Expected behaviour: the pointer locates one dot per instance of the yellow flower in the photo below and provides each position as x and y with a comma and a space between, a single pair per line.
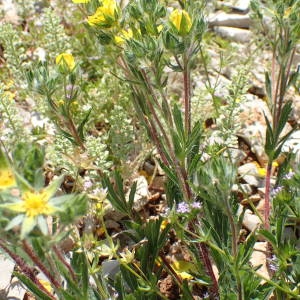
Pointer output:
105, 15
32, 206
182, 268
127, 256
160, 28
262, 172
181, 20
35, 203
125, 35
7, 179
66, 60
80, 1
46, 284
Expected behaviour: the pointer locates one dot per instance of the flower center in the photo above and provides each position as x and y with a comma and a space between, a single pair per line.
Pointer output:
36, 203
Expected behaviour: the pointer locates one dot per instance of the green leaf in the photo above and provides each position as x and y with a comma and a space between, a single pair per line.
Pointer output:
269, 236
14, 222
177, 116
31, 286
27, 225
131, 195
81, 125
268, 86
284, 116
270, 139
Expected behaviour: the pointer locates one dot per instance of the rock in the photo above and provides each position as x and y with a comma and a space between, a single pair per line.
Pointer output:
252, 199
244, 188
249, 172
141, 194
241, 6
258, 258
10, 288
251, 221
234, 34
110, 268
230, 20
219, 82
253, 125
7, 267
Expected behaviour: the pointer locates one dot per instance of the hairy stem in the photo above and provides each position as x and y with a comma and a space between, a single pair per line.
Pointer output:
27, 248
25, 269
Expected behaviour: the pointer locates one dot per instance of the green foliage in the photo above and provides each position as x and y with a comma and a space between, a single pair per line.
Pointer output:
93, 108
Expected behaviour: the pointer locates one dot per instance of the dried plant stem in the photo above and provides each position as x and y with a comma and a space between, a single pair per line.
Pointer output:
30, 252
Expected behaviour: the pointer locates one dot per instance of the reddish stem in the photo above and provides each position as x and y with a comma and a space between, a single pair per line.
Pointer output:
267, 196
27, 248
25, 269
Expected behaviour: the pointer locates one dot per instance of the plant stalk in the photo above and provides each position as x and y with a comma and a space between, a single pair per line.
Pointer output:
27, 248
25, 269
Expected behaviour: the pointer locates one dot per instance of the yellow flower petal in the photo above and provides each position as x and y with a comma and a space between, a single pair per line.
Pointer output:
65, 60
125, 35
46, 284
7, 179
104, 15
80, 1
33, 204
181, 21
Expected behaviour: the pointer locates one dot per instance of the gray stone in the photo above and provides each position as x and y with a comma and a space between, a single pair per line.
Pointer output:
234, 34
259, 258
251, 221
242, 6
141, 194
10, 288
229, 20
249, 172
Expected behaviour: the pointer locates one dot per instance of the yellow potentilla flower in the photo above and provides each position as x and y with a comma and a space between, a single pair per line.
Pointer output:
125, 35
7, 179
105, 15
33, 204
181, 20
65, 60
